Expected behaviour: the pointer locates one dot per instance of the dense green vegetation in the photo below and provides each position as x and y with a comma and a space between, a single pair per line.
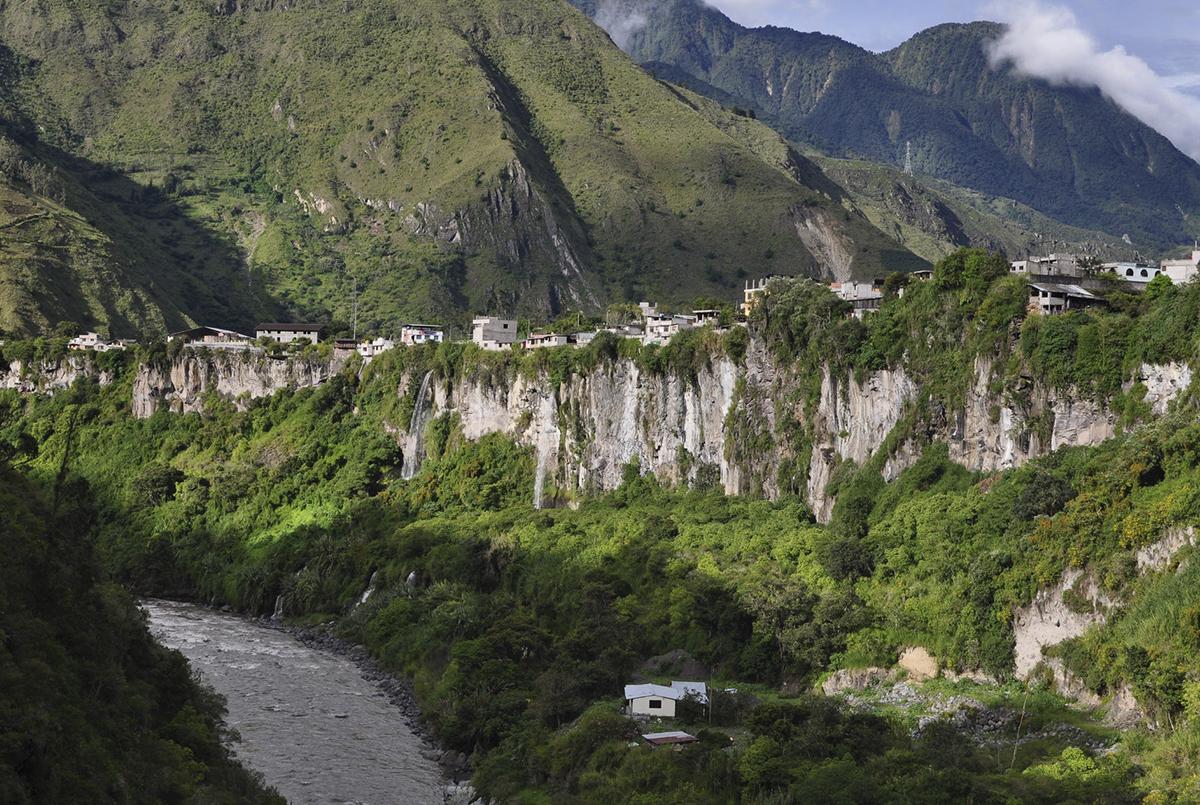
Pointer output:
520, 626
1066, 152
92, 709
427, 159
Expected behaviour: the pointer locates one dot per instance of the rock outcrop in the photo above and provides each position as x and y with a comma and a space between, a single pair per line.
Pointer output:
49, 377
182, 385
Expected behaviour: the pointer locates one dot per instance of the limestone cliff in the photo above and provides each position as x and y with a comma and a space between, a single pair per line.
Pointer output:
746, 425
183, 384
48, 377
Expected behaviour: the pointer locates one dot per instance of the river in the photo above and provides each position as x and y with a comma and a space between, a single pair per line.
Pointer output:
310, 723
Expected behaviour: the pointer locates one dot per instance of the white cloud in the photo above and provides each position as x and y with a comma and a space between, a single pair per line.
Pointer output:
621, 19
1047, 42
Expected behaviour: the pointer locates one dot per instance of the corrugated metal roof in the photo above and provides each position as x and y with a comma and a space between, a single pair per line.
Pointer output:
673, 737
676, 691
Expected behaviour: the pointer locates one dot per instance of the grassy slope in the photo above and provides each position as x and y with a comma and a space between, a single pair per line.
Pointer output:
474, 154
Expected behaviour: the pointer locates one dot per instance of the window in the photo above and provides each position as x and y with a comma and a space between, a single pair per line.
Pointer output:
1129, 272
655, 704
1144, 274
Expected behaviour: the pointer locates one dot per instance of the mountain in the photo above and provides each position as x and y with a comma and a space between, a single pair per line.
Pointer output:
426, 159
1067, 152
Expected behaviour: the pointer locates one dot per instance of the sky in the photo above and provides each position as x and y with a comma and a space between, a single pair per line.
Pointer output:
1163, 33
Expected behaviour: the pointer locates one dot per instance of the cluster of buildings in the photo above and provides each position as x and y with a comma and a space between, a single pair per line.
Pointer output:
1062, 282
98, 343
1056, 282
492, 333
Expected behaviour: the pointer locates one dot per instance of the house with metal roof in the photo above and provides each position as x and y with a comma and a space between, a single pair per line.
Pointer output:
660, 700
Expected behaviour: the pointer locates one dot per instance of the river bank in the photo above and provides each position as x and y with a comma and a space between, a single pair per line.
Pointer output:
317, 717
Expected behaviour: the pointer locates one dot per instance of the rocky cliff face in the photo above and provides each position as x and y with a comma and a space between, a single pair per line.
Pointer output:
732, 423
51, 376
183, 384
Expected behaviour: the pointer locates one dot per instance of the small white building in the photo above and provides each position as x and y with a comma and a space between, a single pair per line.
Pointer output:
1133, 272
582, 339
647, 309
660, 700
545, 340
94, 342
707, 316
378, 346
492, 333
660, 329
286, 332
412, 335
1182, 270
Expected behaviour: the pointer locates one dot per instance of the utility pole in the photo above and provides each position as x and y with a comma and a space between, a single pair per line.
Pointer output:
354, 307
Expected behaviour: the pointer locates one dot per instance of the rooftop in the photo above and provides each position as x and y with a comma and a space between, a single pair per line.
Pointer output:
289, 327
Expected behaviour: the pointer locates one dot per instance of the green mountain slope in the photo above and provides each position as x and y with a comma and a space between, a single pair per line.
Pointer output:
79, 242
431, 157
1067, 152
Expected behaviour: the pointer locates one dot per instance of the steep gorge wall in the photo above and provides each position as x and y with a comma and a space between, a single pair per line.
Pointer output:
731, 423
182, 385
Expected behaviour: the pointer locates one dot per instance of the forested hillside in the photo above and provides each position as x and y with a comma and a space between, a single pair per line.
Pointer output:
429, 159
519, 626
92, 709
1067, 152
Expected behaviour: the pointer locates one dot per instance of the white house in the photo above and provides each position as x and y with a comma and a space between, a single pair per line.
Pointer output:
94, 341
660, 700
492, 333
286, 333
1133, 272
659, 329
545, 340
414, 334
707, 316
370, 349
212, 338
1182, 270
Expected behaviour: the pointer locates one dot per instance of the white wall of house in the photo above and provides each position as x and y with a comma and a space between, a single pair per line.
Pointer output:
652, 706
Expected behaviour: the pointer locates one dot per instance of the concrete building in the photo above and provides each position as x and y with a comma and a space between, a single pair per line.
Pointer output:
212, 338
412, 335
660, 329
1052, 265
661, 700
863, 296
707, 316
288, 332
1050, 298
492, 333
545, 340
753, 292
378, 346
94, 342
1182, 270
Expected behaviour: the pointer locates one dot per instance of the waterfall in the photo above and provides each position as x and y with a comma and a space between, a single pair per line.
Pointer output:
367, 593
278, 614
416, 430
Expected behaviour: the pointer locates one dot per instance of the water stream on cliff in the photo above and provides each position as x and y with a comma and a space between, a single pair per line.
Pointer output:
416, 429
310, 723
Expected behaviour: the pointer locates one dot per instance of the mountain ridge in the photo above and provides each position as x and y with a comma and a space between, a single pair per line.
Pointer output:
1068, 152
426, 161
